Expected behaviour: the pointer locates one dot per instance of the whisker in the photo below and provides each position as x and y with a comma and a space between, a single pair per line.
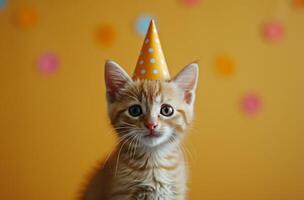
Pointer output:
131, 143
117, 160
136, 144
129, 124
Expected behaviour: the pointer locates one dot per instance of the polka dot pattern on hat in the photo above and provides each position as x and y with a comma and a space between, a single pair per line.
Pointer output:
151, 63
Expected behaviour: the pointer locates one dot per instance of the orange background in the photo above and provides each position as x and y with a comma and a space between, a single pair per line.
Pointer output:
54, 128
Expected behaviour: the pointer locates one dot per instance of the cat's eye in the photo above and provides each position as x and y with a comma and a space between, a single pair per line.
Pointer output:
166, 110
135, 110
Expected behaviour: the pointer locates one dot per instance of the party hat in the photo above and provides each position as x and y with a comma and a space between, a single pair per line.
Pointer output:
151, 64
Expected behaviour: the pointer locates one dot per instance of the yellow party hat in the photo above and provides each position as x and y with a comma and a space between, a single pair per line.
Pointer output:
151, 64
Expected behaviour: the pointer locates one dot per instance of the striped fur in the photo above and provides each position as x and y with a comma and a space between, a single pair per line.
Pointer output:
142, 167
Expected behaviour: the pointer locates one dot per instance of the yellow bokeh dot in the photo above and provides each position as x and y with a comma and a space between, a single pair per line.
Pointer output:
225, 65
26, 17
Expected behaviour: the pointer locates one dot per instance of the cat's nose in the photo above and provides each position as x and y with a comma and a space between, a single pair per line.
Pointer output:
151, 125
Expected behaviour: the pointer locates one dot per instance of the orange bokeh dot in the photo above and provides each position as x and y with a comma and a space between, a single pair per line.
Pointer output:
26, 17
105, 35
298, 3
225, 65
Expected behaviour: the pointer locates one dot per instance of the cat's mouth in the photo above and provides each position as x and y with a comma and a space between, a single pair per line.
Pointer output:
153, 134
152, 139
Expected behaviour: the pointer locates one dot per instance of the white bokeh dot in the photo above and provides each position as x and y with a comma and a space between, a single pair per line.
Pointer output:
150, 49
155, 71
141, 62
152, 60
142, 71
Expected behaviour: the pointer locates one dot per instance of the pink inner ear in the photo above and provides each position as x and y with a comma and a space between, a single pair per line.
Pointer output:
188, 97
114, 86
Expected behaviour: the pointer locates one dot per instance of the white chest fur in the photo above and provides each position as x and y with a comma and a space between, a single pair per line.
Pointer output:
164, 177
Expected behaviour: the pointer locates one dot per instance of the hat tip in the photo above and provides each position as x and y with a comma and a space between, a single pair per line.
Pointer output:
152, 26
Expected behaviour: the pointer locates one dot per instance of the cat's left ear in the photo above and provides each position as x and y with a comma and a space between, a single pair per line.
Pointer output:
187, 80
115, 78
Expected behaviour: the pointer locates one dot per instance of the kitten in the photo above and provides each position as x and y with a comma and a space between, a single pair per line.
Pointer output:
150, 118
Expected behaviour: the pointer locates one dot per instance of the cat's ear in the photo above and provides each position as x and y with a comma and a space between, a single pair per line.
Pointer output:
187, 80
115, 78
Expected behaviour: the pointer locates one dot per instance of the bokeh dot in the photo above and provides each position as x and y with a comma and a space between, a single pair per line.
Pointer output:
190, 3
142, 24
225, 65
2, 4
48, 63
298, 3
26, 17
251, 104
273, 31
105, 35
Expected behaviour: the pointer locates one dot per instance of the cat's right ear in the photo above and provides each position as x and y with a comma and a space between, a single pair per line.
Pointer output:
115, 78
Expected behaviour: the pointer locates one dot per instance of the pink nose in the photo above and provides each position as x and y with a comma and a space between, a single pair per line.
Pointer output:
151, 126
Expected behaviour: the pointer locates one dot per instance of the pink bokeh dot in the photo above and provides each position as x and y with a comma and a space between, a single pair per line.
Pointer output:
48, 63
251, 104
190, 2
273, 31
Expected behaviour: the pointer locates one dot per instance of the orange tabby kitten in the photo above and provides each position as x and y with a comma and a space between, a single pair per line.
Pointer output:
151, 119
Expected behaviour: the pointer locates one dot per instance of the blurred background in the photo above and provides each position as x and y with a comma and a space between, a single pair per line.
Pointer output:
248, 137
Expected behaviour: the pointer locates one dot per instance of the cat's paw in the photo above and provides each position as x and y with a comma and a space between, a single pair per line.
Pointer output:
145, 193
